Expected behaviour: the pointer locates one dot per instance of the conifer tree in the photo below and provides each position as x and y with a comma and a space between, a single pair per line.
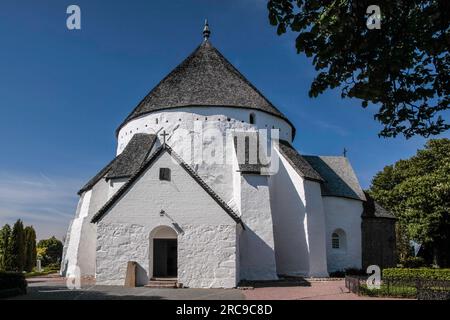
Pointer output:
18, 246
5, 248
30, 248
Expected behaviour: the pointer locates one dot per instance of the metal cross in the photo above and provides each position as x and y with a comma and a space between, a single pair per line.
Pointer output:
164, 135
345, 152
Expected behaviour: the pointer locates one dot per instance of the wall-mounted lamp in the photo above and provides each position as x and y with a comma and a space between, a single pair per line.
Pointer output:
162, 213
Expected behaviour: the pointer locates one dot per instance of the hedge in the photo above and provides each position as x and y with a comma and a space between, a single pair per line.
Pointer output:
419, 274
12, 283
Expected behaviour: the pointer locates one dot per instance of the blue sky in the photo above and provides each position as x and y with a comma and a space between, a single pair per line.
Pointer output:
63, 93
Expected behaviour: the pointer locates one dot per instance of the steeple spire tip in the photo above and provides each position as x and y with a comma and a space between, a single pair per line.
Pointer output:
206, 31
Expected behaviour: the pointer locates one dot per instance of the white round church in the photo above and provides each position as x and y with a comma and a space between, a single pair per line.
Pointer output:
206, 190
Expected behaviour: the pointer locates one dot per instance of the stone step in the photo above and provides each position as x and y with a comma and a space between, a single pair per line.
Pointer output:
162, 283
163, 279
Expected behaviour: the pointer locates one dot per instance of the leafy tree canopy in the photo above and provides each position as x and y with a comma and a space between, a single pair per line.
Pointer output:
417, 191
403, 67
50, 250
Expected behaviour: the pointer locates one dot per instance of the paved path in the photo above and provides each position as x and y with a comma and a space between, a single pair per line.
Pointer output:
312, 290
53, 287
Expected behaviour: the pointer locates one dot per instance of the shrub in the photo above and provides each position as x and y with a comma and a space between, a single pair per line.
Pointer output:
355, 272
417, 274
337, 274
389, 291
413, 262
53, 266
13, 280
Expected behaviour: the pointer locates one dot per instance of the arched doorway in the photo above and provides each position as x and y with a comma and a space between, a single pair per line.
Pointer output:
164, 252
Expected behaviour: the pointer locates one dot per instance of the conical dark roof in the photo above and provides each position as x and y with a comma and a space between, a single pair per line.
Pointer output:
205, 78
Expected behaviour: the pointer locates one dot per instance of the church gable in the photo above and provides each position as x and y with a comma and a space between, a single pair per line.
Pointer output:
167, 183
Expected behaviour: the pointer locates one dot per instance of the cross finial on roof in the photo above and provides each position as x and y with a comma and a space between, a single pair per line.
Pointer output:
345, 152
164, 135
206, 31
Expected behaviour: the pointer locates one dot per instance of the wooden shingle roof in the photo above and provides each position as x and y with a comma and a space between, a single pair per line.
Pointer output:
205, 78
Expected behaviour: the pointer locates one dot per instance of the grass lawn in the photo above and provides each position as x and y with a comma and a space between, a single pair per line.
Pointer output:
42, 273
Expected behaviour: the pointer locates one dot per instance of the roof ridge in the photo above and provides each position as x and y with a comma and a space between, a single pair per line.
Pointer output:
298, 162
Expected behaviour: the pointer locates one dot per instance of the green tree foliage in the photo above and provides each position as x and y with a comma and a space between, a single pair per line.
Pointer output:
417, 191
5, 248
18, 246
30, 249
403, 67
51, 251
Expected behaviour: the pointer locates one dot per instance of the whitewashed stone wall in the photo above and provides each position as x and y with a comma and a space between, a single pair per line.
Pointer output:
316, 230
345, 214
184, 118
207, 256
289, 214
181, 125
257, 248
82, 234
206, 235
299, 223
70, 251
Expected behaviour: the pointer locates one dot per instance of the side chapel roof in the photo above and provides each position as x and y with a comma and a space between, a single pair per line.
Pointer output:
125, 164
339, 178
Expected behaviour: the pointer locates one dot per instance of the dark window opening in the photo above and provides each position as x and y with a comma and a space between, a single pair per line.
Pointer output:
164, 174
252, 118
335, 242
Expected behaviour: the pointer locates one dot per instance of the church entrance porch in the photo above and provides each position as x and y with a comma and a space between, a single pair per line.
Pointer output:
164, 258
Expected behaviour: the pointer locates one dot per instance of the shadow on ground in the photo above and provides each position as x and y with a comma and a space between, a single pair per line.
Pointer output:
284, 282
58, 291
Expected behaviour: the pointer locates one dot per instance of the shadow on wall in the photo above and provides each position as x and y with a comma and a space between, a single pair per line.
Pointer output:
142, 277
254, 256
288, 217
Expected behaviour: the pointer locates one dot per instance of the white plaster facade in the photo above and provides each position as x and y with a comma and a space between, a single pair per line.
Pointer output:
285, 222
207, 238
288, 223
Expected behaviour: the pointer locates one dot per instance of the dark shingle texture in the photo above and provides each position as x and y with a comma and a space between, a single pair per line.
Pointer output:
340, 179
97, 177
127, 163
301, 166
205, 78
132, 157
118, 195
373, 209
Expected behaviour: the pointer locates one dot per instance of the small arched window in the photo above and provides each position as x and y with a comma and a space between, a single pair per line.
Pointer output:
335, 241
156, 120
252, 118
